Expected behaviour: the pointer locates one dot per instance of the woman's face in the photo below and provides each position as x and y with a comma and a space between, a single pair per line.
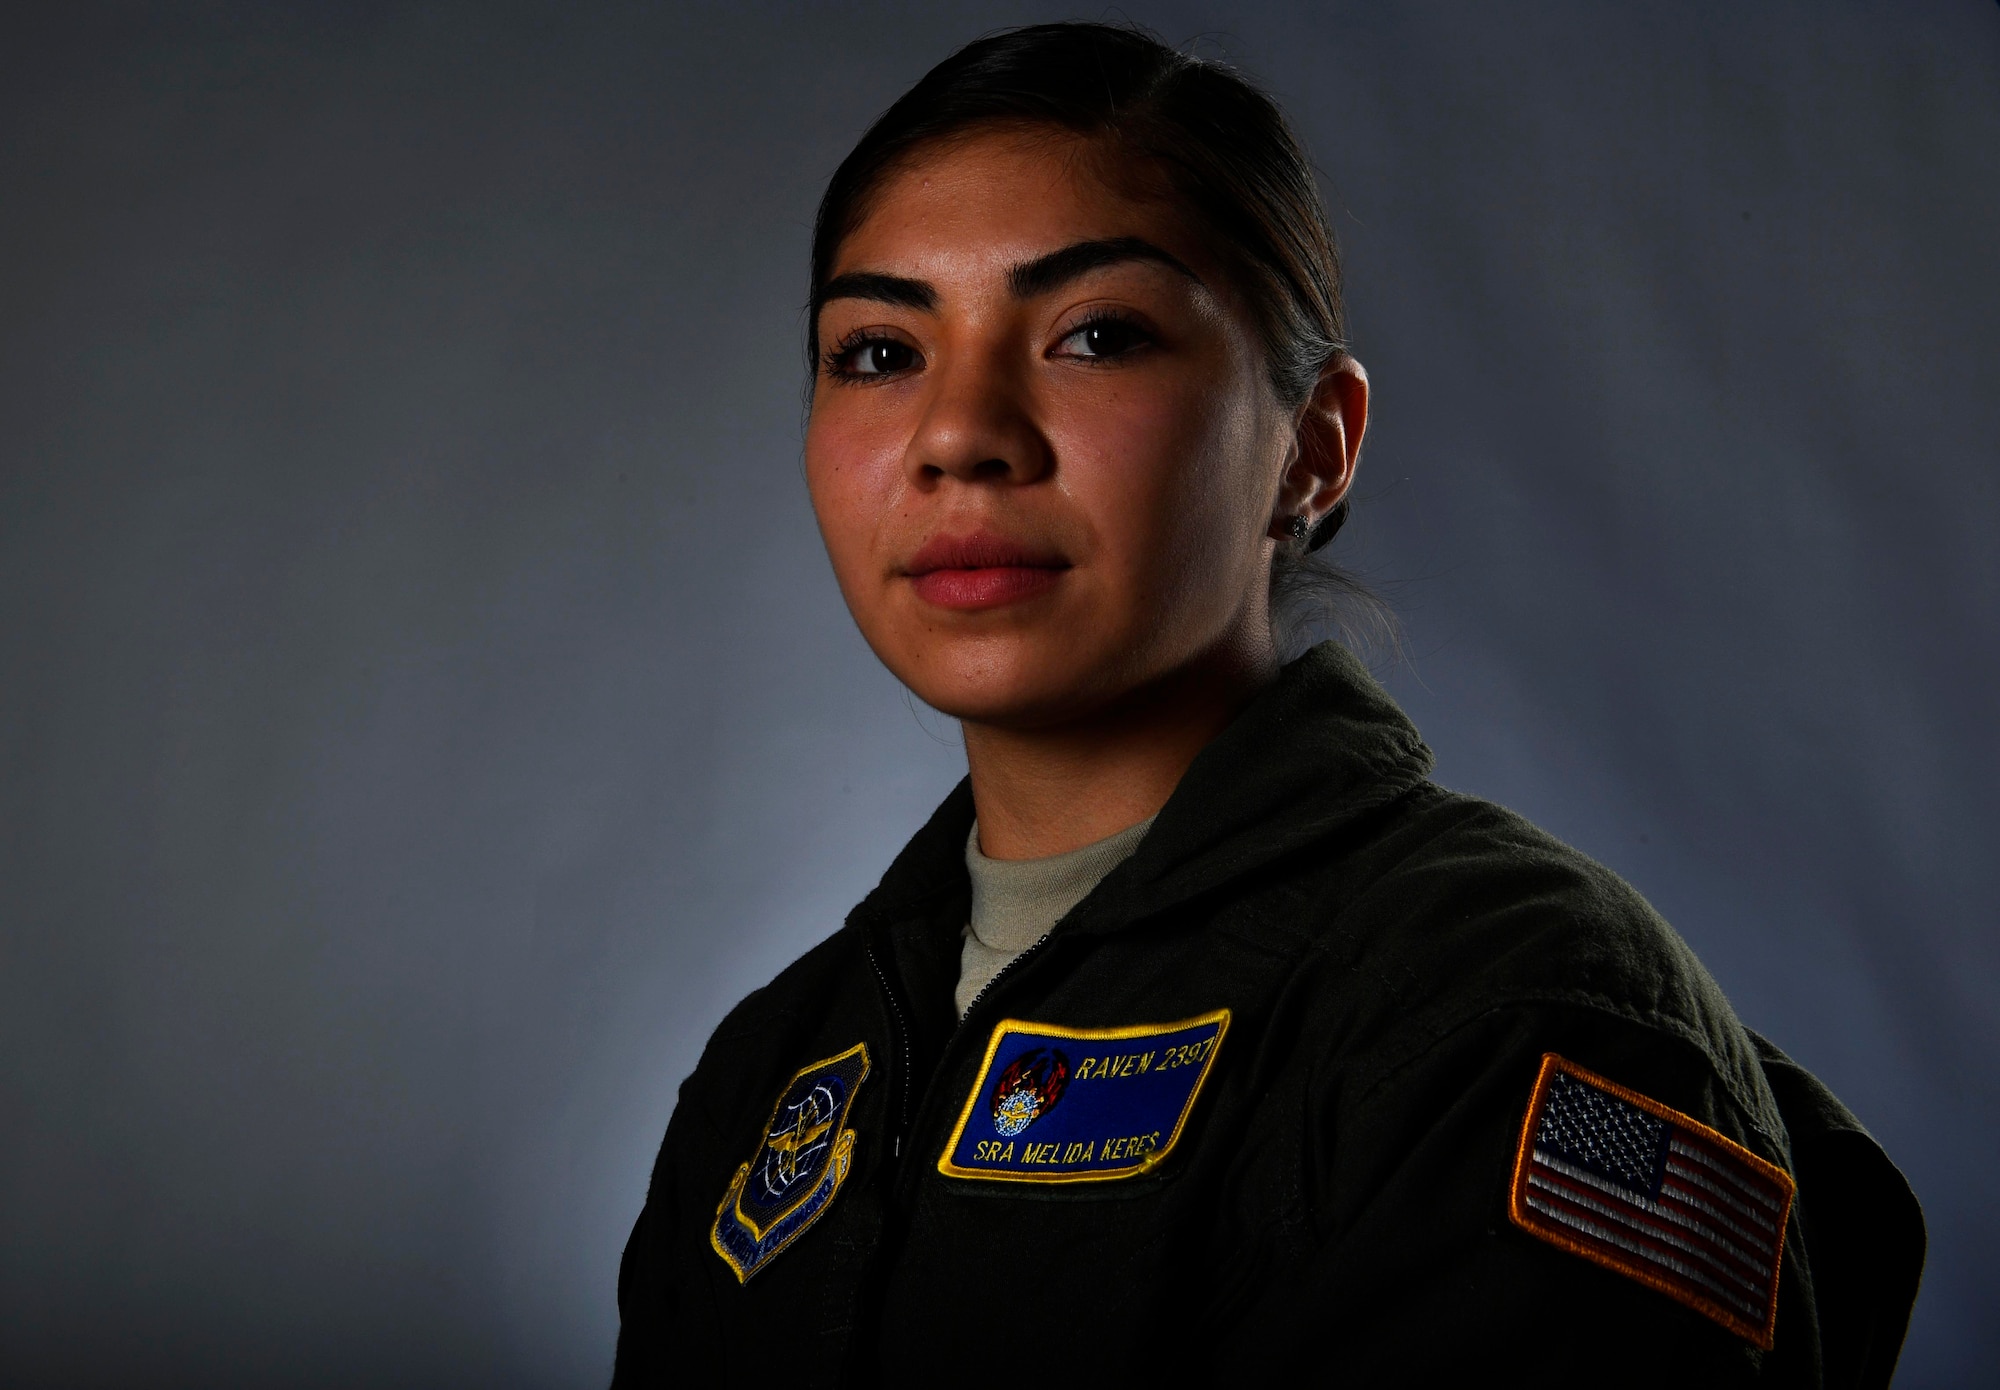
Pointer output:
1043, 448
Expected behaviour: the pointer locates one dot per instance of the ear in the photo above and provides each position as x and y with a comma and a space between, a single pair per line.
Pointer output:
1328, 445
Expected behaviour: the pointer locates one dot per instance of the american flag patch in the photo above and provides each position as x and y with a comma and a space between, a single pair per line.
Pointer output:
1623, 1180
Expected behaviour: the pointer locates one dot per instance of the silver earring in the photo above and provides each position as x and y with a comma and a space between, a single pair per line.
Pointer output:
1299, 527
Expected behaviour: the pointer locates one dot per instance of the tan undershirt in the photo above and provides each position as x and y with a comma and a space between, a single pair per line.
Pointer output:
1015, 902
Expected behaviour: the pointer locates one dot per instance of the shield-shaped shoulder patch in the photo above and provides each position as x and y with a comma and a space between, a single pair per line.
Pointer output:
799, 1165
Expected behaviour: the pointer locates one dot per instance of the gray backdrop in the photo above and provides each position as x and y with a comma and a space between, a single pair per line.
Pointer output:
425, 708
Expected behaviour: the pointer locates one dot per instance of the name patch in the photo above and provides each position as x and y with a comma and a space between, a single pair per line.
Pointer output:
799, 1165
1059, 1104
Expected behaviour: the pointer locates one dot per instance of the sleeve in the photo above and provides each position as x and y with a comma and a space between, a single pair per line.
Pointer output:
1864, 1230
1416, 1271
657, 1281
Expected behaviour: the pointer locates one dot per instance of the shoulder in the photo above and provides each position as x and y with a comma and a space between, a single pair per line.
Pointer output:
1465, 911
1504, 1019
801, 987
762, 1038
831, 996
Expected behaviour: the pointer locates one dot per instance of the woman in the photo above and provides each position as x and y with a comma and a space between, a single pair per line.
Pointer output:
1198, 1032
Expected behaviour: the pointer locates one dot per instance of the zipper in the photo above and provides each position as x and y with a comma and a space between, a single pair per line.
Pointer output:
900, 1026
904, 1180
998, 976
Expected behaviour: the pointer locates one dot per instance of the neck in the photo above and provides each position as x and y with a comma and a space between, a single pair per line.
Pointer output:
1052, 789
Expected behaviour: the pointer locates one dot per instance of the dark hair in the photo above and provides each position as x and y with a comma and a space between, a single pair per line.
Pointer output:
1226, 154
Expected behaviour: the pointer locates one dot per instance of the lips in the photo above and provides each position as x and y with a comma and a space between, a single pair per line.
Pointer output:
981, 570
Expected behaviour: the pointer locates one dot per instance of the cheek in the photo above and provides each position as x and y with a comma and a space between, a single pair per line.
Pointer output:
854, 475
1168, 474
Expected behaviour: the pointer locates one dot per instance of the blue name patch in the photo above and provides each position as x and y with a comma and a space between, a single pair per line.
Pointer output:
1081, 1104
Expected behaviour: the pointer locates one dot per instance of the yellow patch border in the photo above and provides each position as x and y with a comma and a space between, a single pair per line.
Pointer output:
838, 1163
1050, 1030
1524, 1217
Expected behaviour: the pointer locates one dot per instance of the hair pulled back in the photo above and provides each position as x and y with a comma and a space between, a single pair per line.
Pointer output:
1226, 155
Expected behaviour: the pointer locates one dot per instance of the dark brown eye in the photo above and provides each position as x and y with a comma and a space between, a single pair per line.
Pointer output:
881, 357
1104, 338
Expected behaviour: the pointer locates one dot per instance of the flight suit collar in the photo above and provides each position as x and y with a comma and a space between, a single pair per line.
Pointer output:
1319, 747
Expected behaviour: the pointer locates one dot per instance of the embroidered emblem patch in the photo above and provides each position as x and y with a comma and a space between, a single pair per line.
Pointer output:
1623, 1180
1029, 1088
799, 1165
1081, 1104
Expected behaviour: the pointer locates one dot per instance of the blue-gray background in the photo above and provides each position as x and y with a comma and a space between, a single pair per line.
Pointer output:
425, 708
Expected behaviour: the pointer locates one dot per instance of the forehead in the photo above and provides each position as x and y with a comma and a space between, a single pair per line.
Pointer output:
978, 204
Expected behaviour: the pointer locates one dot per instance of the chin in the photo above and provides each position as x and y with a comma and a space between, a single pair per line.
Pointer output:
1010, 684
980, 686
1000, 701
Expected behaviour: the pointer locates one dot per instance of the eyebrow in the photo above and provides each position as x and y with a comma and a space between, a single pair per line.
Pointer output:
1058, 268
883, 289
1024, 281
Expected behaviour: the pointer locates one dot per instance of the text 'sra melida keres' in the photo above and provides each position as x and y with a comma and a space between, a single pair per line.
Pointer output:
1062, 1104
1638, 1187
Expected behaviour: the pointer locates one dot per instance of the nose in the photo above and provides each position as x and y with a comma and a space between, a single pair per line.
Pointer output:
978, 425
